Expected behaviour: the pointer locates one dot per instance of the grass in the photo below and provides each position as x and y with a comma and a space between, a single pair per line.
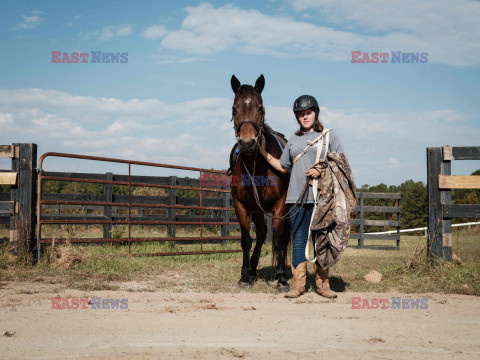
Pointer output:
104, 267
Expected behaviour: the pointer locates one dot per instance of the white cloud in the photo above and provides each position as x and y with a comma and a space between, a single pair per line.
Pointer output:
108, 32
449, 33
384, 147
29, 22
154, 32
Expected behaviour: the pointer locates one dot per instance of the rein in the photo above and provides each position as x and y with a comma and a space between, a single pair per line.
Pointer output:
302, 198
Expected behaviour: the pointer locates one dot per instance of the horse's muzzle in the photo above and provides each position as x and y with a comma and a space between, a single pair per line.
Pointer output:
247, 146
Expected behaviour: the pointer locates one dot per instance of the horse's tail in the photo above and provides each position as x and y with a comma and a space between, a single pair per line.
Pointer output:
286, 247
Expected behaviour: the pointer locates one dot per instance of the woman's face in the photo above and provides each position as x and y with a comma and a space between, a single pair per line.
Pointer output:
306, 119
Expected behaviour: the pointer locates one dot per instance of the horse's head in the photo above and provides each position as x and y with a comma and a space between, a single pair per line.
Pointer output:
248, 113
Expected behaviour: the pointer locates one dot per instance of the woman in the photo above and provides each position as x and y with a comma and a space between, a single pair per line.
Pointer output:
306, 111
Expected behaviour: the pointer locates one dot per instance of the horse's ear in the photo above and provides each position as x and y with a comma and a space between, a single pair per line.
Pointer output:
235, 84
259, 84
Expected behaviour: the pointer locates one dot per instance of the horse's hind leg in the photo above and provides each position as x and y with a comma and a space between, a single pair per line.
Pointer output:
261, 231
246, 242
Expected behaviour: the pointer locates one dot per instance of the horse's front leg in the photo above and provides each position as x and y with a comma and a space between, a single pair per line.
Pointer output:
261, 231
246, 241
281, 237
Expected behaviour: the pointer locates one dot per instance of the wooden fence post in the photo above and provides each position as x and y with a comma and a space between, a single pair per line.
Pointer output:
361, 216
435, 217
172, 200
399, 223
24, 194
446, 198
225, 214
107, 210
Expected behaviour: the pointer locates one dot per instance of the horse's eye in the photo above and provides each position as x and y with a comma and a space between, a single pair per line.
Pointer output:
261, 109
234, 110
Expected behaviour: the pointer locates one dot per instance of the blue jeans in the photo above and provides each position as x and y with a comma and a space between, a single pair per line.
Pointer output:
300, 227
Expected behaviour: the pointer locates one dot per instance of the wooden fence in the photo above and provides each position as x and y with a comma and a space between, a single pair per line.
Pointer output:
439, 185
19, 209
362, 221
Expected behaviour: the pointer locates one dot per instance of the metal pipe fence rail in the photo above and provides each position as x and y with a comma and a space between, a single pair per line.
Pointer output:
129, 218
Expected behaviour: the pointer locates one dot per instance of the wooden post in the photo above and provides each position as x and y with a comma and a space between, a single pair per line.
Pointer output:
360, 232
22, 224
225, 214
399, 223
172, 200
107, 210
435, 217
446, 198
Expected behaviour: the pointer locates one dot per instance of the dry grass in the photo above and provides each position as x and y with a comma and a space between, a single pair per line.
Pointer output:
103, 267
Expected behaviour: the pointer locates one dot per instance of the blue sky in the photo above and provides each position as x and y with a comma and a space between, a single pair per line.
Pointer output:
171, 102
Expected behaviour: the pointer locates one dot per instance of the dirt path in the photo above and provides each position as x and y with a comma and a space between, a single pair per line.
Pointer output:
161, 325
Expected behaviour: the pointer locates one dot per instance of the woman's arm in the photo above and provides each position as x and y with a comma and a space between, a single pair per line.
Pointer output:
273, 161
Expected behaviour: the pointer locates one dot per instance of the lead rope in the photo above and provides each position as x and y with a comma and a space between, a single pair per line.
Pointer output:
325, 132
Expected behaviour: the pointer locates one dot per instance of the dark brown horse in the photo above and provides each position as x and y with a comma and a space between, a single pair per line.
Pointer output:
252, 171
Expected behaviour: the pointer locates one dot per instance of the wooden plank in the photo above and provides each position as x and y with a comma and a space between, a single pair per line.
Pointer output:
6, 151
376, 236
7, 207
447, 153
382, 223
25, 195
394, 223
466, 153
446, 197
382, 195
8, 178
381, 209
435, 216
459, 182
107, 210
461, 211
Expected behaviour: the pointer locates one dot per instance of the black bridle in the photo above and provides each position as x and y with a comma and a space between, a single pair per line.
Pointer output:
258, 128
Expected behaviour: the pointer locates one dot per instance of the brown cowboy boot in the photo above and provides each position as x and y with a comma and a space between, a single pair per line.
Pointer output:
299, 280
323, 286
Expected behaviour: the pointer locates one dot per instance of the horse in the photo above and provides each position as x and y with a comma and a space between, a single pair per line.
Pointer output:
262, 188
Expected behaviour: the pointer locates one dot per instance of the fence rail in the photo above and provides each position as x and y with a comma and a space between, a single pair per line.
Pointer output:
362, 209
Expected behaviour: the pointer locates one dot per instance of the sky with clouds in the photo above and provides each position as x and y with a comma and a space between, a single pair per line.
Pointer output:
170, 103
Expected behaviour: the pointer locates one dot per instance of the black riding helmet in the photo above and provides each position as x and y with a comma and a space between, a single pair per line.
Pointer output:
305, 102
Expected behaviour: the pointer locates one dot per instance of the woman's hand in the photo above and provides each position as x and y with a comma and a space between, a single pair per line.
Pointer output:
313, 173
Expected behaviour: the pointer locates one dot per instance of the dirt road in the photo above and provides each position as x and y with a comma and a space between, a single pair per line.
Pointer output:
244, 325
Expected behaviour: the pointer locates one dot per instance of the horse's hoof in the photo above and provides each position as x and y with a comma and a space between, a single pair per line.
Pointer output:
252, 279
244, 281
244, 285
283, 287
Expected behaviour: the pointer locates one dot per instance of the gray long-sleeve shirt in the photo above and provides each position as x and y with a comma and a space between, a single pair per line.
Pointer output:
295, 146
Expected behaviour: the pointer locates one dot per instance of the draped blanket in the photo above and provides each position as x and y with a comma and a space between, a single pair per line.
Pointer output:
330, 222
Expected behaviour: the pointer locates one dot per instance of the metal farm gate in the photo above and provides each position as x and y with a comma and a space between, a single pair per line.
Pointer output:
129, 221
